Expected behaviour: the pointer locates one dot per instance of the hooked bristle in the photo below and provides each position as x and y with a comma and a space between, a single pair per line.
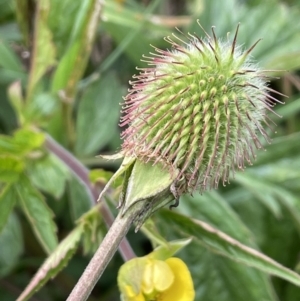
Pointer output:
199, 108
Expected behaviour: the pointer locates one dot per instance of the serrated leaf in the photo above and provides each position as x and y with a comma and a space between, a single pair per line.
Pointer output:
10, 168
38, 214
7, 201
43, 54
11, 243
21, 143
98, 115
54, 263
29, 139
220, 243
49, 174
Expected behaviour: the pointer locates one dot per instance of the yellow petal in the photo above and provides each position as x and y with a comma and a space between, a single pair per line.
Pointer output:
130, 295
130, 279
157, 277
182, 288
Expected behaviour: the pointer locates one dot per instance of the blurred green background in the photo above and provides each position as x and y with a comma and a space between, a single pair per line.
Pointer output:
64, 67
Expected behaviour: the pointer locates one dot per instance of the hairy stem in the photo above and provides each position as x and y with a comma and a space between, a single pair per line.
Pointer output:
102, 257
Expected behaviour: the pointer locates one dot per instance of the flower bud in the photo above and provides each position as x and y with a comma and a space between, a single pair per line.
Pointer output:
198, 109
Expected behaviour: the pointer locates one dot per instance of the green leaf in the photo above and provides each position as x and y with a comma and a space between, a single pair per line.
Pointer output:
221, 279
211, 272
282, 147
212, 208
291, 202
291, 108
41, 108
222, 244
286, 61
261, 190
7, 201
131, 29
23, 142
94, 229
43, 55
268, 190
61, 27
38, 214
49, 174
150, 230
8, 59
16, 99
10, 168
11, 243
276, 237
98, 115
276, 50
54, 263
100, 176
79, 198
73, 63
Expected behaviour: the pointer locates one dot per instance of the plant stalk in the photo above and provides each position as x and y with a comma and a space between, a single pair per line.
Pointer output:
102, 257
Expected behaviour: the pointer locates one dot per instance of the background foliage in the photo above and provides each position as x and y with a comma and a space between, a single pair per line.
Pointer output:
62, 76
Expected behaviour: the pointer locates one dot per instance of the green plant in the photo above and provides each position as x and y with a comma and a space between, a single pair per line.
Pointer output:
64, 66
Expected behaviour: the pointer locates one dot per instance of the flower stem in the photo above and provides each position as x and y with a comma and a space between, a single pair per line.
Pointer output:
102, 257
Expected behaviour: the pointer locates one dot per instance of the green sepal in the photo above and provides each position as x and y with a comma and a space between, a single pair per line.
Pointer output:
151, 184
145, 182
164, 252
127, 162
150, 230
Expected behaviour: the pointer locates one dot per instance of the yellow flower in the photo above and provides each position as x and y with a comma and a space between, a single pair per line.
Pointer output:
150, 279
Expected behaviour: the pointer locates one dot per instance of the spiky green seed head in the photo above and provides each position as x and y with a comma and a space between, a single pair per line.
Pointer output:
199, 109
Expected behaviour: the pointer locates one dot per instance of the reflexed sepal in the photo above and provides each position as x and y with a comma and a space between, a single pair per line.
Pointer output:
127, 163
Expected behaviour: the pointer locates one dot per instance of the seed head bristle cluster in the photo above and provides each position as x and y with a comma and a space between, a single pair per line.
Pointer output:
197, 109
